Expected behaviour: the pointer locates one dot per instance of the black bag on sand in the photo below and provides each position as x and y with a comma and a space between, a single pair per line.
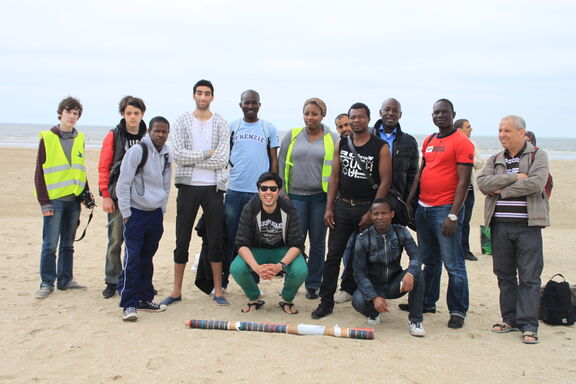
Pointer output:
556, 306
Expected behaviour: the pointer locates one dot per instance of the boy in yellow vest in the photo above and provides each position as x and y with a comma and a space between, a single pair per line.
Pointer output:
59, 179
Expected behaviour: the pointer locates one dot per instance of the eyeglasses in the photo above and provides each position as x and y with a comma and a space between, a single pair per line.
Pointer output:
264, 188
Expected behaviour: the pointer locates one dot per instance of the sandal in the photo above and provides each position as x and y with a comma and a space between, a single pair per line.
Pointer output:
284, 304
530, 337
256, 305
503, 328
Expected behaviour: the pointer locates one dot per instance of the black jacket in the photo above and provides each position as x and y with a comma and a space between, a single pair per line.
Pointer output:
248, 234
405, 159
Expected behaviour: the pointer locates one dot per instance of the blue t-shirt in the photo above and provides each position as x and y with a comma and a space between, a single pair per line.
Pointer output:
249, 156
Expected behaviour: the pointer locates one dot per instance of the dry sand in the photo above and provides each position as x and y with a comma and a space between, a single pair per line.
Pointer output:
78, 337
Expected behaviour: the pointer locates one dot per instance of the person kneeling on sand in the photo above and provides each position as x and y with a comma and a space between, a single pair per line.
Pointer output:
378, 272
143, 188
269, 240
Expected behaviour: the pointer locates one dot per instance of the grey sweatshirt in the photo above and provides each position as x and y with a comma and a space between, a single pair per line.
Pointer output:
149, 189
307, 157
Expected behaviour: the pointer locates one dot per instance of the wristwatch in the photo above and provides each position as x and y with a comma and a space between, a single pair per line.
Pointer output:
283, 265
452, 217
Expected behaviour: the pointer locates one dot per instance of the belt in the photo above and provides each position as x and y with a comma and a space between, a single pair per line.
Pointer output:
354, 203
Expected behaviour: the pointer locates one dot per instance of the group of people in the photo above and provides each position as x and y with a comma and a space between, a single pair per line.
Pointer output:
365, 184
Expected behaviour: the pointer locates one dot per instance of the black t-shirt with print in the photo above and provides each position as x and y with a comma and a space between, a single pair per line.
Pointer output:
271, 228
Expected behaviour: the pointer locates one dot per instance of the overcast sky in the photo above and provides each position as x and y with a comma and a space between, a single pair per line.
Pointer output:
491, 58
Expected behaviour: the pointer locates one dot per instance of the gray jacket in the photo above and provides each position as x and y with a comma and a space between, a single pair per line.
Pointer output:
149, 189
494, 177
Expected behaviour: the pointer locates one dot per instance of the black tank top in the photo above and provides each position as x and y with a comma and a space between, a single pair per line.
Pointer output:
353, 182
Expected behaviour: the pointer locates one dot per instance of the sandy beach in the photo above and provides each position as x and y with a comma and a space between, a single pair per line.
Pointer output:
79, 337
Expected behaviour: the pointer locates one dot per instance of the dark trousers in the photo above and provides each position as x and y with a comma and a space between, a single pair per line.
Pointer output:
468, 207
188, 200
142, 234
391, 290
518, 263
347, 218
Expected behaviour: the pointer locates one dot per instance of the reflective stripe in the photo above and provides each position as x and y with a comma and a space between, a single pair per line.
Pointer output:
64, 167
327, 163
66, 183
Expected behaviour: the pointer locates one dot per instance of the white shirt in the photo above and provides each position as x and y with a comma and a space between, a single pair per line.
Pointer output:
201, 134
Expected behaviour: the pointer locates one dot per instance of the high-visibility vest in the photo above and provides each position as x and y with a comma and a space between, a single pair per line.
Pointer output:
62, 177
326, 165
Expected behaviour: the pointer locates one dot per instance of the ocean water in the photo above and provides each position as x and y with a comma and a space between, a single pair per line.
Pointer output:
26, 136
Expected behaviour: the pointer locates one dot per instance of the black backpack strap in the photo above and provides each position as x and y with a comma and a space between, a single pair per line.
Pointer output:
144, 157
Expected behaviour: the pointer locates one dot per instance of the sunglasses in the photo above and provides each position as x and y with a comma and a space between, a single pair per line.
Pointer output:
264, 188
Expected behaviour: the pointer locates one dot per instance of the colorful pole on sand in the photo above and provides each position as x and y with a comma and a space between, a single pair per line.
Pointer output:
293, 329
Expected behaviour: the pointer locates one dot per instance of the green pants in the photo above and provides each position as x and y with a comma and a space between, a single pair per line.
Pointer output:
296, 272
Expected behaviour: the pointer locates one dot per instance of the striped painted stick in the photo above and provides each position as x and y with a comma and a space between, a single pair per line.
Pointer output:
294, 329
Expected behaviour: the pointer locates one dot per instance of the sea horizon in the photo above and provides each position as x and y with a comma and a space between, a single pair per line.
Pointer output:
17, 135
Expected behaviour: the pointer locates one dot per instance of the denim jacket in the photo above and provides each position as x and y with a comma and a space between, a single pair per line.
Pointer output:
377, 257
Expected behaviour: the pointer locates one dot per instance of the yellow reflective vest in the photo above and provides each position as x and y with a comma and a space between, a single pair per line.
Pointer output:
326, 165
62, 177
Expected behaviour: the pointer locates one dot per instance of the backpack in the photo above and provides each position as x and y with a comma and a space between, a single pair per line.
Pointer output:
234, 128
556, 306
550, 182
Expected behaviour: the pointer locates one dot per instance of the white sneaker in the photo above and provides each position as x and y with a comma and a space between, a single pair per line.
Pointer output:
374, 320
342, 297
416, 329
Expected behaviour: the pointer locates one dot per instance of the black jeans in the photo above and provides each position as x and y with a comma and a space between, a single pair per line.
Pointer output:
189, 199
347, 218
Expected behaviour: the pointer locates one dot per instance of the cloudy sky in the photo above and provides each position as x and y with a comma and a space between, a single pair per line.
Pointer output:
491, 58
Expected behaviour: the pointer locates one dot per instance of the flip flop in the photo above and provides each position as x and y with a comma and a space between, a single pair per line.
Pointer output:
256, 306
528, 334
283, 305
170, 300
503, 328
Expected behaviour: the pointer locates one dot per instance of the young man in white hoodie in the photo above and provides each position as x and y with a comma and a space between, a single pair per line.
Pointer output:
142, 189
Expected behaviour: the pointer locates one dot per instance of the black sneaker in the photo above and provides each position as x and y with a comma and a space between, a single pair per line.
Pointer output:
455, 322
470, 256
311, 294
406, 308
109, 291
150, 306
323, 310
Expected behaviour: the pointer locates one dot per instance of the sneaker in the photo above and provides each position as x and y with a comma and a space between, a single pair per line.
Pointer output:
470, 256
406, 308
311, 294
220, 300
455, 322
374, 320
129, 314
44, 291
109, 291
150, 306
416, 329
73, 284
321, 311
342, 297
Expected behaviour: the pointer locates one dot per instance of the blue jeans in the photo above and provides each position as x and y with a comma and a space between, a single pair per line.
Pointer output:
311, 217
234, 202
437, 249
59, 231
